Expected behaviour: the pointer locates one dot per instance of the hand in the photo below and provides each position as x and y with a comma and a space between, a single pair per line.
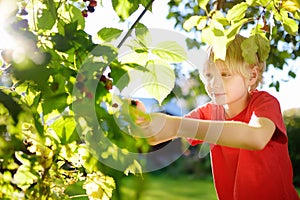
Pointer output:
158, 129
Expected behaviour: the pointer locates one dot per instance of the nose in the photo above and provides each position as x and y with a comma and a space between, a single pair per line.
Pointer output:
215, 82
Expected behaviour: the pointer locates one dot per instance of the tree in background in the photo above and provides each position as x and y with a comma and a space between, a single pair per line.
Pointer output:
57, 111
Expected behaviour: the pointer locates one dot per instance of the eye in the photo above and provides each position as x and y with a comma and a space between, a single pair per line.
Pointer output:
225, 74
208, 76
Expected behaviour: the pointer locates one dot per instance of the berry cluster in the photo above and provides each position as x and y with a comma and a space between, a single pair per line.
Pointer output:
108, 84
81, 78
89, 8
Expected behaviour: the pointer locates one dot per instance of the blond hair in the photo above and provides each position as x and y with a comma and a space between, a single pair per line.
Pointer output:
236, 64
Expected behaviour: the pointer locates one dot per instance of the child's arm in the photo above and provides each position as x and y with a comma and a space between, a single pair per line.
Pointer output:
252, 136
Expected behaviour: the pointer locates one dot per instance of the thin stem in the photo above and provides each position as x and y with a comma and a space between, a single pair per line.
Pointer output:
134, 24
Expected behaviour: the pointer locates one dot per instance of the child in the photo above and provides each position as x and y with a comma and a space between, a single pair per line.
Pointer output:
250, 157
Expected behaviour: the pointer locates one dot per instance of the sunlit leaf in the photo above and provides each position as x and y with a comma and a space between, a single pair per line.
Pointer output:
109, 34
191, 22
124, 8
24, 177
263, 47
249, 49
170, 51
291, 5
237, 12
202, 4
290, 25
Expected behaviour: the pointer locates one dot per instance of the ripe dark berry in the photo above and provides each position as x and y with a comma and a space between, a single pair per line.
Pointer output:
91, 9
89, 95
108, 84
80, 78
84, 13
23, 12
93, 3
103, 79
79, 85
115, 105
85, 0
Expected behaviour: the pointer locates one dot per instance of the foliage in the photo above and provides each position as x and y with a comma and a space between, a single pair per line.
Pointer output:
292, 122
61, 123
273, 26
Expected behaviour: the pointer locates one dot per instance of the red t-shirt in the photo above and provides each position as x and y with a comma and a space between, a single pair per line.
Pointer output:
241, 174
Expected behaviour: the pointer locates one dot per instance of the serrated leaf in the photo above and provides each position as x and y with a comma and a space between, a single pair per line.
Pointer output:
263, 47
108, 34
255, 45
157, 81
143, 36
249, 49
160, 79
47, 19
170, 51
64, 128
237, 12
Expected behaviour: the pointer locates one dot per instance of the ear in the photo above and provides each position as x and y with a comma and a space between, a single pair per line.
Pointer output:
253, 75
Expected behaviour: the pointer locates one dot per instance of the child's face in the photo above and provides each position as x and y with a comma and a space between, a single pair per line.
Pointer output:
223, 86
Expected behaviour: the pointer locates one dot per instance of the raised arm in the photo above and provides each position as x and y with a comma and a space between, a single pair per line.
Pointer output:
252, 136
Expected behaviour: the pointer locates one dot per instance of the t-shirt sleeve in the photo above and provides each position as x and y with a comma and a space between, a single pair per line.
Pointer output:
265, 105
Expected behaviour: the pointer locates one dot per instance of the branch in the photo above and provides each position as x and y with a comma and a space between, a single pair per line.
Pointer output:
135, 23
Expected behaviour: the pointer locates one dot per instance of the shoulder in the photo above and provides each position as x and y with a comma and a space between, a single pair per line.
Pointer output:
263, 97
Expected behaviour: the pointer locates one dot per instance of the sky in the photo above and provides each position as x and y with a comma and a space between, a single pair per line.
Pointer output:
289, 94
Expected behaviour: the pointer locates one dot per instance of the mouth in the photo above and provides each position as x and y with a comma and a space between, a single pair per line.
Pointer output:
217, 94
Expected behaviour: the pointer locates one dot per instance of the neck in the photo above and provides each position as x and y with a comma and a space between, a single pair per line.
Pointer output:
237, 107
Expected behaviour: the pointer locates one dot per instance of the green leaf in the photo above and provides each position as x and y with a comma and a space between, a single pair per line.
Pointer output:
13, 107
218, 16
217, 28
170, 51
256, 45
234, 29
202, 4
120, 77
143, 36
263, 47
134, 168
124, 8
158, 81
292, 74
61, 42
24, 177
237, 12
47, 19
53, 102
191, 22
64, 128
108, 34
290, 26
106, 52
249, 49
